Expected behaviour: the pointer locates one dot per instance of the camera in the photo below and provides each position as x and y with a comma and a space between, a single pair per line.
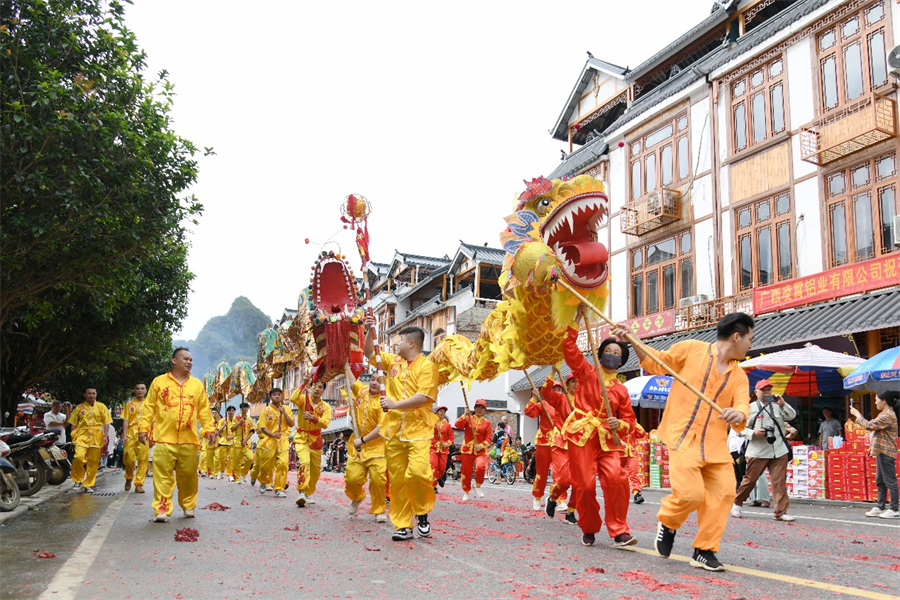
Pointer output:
770, 434
768, 398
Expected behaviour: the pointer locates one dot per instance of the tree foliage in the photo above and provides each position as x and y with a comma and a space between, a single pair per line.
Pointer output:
93, 182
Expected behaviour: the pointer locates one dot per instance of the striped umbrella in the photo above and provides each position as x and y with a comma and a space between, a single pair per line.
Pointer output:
881, 373
807, 371
649, 391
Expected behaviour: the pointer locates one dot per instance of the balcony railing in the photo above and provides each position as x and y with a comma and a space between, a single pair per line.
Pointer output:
656, 209
706, 314
849, 129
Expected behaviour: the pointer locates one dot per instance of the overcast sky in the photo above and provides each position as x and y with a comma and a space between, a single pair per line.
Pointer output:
435, 111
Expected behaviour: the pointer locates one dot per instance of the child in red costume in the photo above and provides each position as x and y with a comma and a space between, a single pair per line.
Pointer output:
547, 428
631, 463
591, 450
474, 449
559, 449
440, 446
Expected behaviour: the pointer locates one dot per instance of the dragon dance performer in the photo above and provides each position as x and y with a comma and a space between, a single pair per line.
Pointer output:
272, 451
559, 448
440, 446
631, 463
699, 461
225, 438
89, 421
474, 448
134, 451
588, 431
209, 450
241, 454
542, 442
175, 403
365, 455
408, 427
312, 417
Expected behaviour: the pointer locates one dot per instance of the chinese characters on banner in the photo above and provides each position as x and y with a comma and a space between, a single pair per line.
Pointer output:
828, 285
641, 327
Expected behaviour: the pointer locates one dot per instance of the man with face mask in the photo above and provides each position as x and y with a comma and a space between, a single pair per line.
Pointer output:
313, 416
592, 452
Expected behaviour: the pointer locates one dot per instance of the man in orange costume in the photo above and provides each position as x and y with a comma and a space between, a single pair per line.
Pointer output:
631, 462
592, 452
474, 448
440, 446
699, 461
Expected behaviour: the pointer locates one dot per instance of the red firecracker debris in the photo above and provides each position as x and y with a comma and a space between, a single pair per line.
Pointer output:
594, 570
372, 549
244, 503
751, 544
216, 506
294, 528
187, 535
43, 554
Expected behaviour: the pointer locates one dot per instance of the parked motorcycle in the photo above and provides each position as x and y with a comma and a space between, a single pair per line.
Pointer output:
32, 461
60, 465
530, 466
9, 491
454, 463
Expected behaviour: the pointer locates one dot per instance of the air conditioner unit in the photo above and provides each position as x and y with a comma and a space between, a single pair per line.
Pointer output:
691, 300
895, 232
894, 61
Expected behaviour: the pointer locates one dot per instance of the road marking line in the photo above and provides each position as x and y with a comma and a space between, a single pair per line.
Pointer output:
68, 579
830, 587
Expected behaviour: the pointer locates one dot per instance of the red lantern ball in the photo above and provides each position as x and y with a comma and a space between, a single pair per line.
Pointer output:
621, 144
306, 240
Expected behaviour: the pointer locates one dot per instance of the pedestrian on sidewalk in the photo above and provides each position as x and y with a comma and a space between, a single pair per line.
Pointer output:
884, 448
175, 403
767, 448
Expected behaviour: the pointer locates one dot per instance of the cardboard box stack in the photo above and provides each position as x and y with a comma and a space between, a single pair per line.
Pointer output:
659, 463
806, 473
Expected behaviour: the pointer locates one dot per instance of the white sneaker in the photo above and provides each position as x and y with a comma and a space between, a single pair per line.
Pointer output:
562, 506
301, 500
382, 518
874, 512
785, 517
309, 500
354, 507
465, 497
239, 481
219, 476
479, 493
262, 490
736, 511
161, 517
280, 494
889, 514
189, 514
536, 504
269, 488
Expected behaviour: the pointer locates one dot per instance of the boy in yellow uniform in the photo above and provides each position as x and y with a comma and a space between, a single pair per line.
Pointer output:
408, 427
313, 416
241, 454
175, 403
209, 450
225, 438
134, 451
89, 421
365, 455
272, 451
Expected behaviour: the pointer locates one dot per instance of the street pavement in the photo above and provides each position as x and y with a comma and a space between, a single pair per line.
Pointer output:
105, 546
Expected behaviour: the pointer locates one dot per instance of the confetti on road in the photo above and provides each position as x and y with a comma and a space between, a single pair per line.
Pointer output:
186, 535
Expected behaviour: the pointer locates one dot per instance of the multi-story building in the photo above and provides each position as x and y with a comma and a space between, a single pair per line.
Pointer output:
751, 165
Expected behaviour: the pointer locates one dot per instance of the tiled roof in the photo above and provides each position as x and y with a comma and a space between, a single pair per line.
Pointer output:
418, 260
592, 64
485, 254
581, 158
424, 282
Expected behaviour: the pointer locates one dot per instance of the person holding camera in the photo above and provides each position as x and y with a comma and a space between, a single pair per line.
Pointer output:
768, 448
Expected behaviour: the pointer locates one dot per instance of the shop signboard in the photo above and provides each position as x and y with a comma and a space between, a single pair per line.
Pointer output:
641, 327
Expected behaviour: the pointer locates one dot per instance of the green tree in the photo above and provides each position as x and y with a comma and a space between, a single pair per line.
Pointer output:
93, 184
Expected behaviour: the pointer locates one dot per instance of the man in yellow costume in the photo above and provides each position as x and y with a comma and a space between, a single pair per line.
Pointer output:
134, 451
313, 416
241, 454
365, 455
175, 403
408, 427
225, 437
209, 449
89, 420
272, 451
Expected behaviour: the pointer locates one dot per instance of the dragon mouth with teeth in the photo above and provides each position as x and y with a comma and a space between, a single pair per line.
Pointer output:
571, 231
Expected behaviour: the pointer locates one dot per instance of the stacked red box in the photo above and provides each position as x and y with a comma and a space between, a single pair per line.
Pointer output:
642, 451
835, 474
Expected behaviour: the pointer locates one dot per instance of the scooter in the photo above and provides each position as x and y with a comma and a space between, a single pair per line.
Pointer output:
9, 491
529, 469
60, 465
454, 463
32, 461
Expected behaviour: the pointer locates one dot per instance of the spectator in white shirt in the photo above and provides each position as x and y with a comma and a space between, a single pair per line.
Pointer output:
55, 420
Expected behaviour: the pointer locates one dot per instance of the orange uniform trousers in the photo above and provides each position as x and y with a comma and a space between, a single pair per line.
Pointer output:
705, 487
479, 464
562, 481
585, 464
542, 459
438, 466
632, 465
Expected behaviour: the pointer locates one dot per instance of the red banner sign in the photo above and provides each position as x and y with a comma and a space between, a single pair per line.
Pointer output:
641, 327
828, 285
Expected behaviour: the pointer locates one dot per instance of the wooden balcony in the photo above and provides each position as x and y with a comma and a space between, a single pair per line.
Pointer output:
841, 132
654, 210
707, 314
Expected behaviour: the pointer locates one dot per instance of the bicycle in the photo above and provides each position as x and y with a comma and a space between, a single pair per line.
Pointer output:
506, 473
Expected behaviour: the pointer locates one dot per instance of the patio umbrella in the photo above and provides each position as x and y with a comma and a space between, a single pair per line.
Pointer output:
881, 373
649, 391
807, 371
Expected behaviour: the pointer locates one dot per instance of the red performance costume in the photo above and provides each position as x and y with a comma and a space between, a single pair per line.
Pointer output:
440, 447
590, 446
630, 461
472, 458
559, 410
542, 440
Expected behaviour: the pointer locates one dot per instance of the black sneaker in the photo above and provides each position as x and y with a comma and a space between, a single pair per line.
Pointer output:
623, 539
402, 534
706, 559
550, 508
571, 519
587, 539
435, 490
638, 499
422, 526
665, 539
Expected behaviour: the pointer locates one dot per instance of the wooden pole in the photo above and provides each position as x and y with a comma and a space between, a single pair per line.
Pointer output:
565, 388
540, 397
644, 348
599, 369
